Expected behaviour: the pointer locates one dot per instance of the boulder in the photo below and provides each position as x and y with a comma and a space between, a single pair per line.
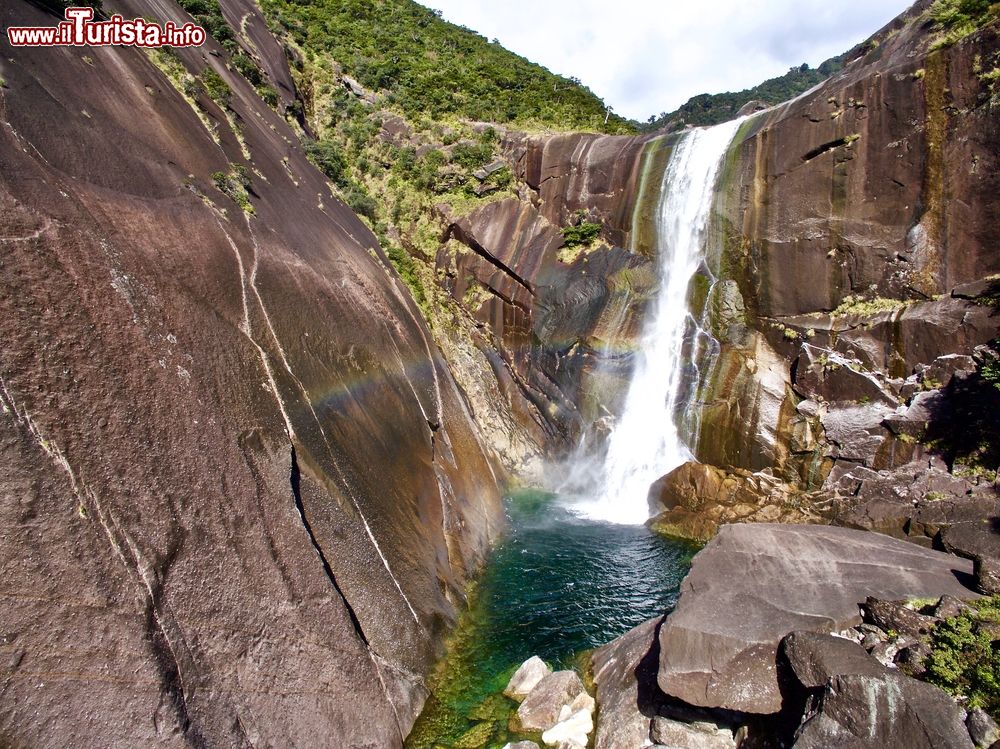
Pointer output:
816, 658
855, 432
541, 709
895, 616
939, 372
526, 678
980, 542
983, 729
949, 607
625, 674
918, 500
754, 105
889, 710
914, 419
912, 660
521, 745
700, 735
694, 499
574, 730
753, 584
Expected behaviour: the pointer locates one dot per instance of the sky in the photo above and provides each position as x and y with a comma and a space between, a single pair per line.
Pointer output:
644, 57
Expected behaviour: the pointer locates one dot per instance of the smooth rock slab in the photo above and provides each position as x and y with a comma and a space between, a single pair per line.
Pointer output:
542, 708
892, 711
625, 674
753, 584
526, 678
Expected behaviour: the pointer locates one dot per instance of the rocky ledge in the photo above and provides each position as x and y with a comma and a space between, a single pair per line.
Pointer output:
804, 636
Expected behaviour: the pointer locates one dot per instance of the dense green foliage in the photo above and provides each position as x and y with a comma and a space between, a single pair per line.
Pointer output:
208, 14
965, 655
583, 233
959, 18
428, 67
711, 109
235, 184
215, 87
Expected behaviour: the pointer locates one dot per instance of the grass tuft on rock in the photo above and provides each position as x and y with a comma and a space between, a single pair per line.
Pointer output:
957, 19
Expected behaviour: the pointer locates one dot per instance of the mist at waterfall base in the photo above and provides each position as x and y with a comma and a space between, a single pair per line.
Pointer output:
651, 436
579, 568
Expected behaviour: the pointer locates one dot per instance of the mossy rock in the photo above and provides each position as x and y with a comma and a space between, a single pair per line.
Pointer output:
475, 738
495, 708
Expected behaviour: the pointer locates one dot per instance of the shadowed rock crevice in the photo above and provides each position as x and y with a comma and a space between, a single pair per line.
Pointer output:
170, 674
457, 232
826, 147
294, 480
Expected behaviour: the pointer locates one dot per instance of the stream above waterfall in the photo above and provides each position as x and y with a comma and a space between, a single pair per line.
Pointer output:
557, 586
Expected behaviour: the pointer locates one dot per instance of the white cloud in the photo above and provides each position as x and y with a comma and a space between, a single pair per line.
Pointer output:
645, 57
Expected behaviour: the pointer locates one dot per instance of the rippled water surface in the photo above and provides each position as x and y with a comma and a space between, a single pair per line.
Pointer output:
557, 586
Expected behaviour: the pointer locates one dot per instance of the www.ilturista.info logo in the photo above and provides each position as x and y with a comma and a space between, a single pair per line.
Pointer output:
80, 30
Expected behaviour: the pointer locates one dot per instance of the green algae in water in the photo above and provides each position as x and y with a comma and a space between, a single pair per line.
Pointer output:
556, 587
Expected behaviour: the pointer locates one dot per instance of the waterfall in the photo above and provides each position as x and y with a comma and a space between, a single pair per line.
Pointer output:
647, 441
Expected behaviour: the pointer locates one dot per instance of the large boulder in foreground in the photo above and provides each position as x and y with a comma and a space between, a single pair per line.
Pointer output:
625, 674
753, 584
891, 710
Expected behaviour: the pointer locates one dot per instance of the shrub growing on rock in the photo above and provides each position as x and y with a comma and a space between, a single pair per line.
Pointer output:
965, 655
583, 233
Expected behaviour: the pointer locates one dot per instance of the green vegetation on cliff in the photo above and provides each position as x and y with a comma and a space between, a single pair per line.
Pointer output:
956, 19
429, 67
711, 109
963, 659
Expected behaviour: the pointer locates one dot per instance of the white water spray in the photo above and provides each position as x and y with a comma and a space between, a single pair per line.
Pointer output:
646, 442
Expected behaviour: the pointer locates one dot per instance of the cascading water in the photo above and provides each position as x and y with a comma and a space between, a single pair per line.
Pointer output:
646, 441
561, 583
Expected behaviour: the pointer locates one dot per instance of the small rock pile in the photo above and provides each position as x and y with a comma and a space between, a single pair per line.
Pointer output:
554, 703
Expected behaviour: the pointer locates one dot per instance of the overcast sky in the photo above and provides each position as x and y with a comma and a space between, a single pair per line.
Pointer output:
644, 57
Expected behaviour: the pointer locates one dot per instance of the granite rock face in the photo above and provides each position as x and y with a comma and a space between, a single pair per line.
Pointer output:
552, 320
859, 224
625, 674
890, 710
241, 492
816, 657
694, 499
753, 584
